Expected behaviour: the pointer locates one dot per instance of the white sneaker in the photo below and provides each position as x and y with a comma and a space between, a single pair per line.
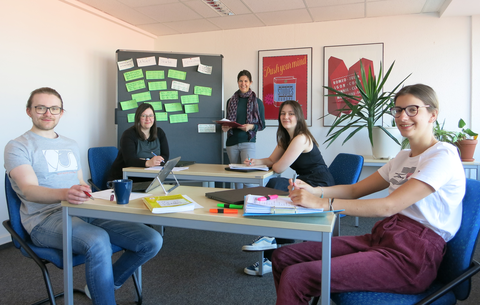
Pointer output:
261, 243
254, 269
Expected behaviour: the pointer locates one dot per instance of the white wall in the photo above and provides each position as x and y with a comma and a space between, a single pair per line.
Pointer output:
437, 51
51, 43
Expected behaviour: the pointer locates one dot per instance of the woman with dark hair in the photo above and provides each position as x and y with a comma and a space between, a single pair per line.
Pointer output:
142, 145
244, 108
423, 211
296, 148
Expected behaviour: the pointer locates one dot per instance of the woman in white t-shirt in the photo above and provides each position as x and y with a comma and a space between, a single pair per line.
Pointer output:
423, 211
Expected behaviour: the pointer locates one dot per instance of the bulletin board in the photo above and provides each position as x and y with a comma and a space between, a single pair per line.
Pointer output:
186, 91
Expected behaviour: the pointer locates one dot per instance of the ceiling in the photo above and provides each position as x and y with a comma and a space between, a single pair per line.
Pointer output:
171, 17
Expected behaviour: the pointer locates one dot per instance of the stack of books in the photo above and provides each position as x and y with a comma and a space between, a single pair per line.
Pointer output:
281, 205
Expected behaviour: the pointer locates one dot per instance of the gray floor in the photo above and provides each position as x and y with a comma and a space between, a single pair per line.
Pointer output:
193, 267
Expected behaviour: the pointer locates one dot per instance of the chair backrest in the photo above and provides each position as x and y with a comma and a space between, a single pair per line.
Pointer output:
461, 248
346, 168
100, 160
13, 206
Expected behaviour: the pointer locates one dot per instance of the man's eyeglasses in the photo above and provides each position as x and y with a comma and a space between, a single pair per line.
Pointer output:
53, 110
411, 110
144, 116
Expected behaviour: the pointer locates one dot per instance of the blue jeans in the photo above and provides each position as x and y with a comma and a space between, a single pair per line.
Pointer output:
93, 238
238, 153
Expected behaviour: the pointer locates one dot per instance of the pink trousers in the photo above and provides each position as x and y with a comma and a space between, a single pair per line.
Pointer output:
400, 256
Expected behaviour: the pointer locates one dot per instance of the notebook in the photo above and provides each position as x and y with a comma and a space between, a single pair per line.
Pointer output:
237, 196
160, 178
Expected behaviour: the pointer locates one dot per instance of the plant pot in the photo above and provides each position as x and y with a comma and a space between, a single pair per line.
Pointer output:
383, 146
467, 149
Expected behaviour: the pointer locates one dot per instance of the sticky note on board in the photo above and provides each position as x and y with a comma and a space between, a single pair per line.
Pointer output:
200, 90
193, 108
132, 75
181, 75
169, 95
136, 85
146, 61
179, 118
131, 117
155, 74
189, 99
141, 97
172, 107
180, 86
126, 64
161, 116
156, 105
161, 85
127, 105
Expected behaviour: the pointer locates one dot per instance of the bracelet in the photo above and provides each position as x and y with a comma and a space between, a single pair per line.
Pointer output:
321, 196
330, 202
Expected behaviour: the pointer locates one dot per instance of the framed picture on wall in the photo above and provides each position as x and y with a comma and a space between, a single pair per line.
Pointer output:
285, 74
340, 65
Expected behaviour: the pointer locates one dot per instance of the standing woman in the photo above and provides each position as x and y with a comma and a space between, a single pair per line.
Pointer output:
423, 211
244, 108
296, 148
142, 145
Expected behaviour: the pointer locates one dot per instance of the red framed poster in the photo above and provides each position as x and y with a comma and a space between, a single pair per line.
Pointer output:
285, 74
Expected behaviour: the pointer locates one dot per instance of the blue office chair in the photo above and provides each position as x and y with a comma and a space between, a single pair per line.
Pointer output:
346, 169
100, 160
42, 256
453, 281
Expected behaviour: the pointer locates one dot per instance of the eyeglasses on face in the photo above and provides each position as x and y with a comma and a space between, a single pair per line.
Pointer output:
144, 116
43, 109
411, 110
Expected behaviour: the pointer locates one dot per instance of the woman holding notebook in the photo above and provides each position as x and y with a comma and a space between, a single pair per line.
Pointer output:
296, 148
142, 145
423, 211
246, 109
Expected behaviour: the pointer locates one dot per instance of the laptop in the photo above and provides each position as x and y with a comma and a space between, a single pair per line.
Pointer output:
236, 196
158, 180
184, 163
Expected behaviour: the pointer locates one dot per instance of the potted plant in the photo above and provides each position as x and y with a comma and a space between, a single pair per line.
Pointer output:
466, 142
366, 110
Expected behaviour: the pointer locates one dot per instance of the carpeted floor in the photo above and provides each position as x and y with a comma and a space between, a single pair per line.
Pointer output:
193, 267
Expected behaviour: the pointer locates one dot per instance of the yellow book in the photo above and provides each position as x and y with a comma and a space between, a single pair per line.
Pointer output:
169, 204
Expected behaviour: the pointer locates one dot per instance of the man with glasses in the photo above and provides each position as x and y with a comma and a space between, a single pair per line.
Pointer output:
44, 169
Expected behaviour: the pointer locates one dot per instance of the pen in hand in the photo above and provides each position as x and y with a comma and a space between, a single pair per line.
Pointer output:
89, 195
293, 181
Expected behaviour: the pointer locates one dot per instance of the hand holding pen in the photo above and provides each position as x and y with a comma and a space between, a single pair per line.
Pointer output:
155, 161
249, 161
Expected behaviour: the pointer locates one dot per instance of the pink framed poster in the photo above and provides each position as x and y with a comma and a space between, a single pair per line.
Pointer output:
285, 74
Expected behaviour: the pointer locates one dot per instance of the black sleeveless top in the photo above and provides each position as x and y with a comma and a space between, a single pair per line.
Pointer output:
311, 168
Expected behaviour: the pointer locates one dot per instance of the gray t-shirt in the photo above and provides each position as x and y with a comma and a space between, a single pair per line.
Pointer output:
56, 163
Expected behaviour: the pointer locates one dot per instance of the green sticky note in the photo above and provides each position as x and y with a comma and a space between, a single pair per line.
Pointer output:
131, 75
141, 97
177, 74
191, 108
162, 85
131, 117
179, 118
156, 105
155, 74
172, 107
169, 95
127, 105
136, 85
189, 99
161, 116
203, 90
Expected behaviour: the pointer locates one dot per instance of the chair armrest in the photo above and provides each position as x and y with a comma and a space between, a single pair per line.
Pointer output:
90, 181
472, 270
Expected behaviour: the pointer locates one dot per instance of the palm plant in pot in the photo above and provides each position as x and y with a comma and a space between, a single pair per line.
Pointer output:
365, 110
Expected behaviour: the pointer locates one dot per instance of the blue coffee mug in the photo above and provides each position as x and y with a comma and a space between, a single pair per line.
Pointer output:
122, 189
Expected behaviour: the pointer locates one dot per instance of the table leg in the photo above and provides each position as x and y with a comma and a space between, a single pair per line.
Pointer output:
326, 261
67, 257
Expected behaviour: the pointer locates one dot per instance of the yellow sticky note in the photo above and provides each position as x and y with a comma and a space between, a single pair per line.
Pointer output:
181, 75
191, 108
161, 116
131, 117
169, 95
136, 85
172, 107
141, 97
156, 105
161, 85
155, 74
131, 75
